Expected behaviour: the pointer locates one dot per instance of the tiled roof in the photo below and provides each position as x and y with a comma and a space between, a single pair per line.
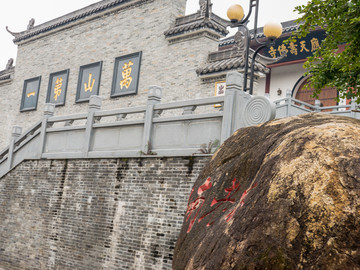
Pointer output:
196, 25
226, 60
94, 9
288, 27
6, 74
222, 65
196, 21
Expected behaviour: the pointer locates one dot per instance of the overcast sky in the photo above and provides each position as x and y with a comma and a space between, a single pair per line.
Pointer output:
17, 13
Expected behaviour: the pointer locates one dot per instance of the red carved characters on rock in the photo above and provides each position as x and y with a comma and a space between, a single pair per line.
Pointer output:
195, 206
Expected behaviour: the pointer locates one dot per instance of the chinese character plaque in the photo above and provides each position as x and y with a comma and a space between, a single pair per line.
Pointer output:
30, 94
57, 88
89, 81
126, 75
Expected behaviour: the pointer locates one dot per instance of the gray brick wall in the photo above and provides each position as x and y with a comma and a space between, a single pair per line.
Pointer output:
103, 39
94, 214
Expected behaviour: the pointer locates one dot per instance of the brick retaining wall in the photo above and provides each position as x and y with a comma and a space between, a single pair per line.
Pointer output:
94, 214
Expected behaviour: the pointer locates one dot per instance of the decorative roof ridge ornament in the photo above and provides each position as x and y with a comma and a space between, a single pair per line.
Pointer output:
14, 34
239, 46
31, 24
205, 8
29, 27
10, 64
201, 21
90, 12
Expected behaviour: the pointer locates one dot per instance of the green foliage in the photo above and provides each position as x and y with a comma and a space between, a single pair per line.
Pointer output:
328, 66
209, 148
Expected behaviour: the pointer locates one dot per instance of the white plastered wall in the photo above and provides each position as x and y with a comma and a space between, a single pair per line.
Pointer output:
284, 78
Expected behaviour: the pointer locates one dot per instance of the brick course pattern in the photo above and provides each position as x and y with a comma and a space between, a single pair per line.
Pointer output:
94, 214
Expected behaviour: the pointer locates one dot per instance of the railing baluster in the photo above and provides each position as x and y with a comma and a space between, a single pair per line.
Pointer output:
94, 105
15, 134
154, 97
121, 117
48, 112
189, 110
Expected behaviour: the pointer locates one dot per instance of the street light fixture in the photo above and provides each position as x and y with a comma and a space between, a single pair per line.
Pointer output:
272, 31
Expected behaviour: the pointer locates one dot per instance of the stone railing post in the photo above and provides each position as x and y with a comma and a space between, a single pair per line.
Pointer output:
15, 134
154, 97
353, 108
317, 105
49, 111
234, 81
289, 101
94, 105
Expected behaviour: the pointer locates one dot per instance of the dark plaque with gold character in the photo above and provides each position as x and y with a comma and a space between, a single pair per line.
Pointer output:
126, 75
30, 94
89, 81
57, 88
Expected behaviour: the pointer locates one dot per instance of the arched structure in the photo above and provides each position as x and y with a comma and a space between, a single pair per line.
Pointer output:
327, 96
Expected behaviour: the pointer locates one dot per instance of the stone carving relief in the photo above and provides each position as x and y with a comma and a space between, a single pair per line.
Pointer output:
239, 46
205, 7
10, 63
31, 24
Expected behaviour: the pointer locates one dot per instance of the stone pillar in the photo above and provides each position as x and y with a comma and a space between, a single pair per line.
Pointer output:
95, 103
234, 82
353, 110
154, 97
49, 111
15, 134
317, 105
288, 101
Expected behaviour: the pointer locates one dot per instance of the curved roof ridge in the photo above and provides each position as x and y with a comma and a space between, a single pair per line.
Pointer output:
76, 15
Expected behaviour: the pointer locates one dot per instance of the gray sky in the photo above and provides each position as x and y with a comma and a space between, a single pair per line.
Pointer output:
17, 13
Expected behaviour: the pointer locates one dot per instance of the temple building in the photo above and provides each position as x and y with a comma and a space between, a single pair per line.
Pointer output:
117, 49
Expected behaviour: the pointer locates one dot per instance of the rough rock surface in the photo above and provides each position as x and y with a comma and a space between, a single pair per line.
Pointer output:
282, 195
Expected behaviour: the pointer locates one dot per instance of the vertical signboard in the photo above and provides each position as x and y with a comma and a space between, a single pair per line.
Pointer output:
220, 88
89, 81
30, 94
126, 75
57, 88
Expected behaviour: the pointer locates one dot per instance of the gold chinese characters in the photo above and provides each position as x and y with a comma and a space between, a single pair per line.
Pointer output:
90, 85
57, 88
126, 74
294, 49
31, 94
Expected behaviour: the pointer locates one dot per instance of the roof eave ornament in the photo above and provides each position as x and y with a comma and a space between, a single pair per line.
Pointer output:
10, 64
14, 34
31, 24
239, 46
17, 34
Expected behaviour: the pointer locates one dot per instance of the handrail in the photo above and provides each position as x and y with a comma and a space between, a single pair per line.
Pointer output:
29, 132
79, 116
4, 154
18, 146
89, 131
133, 110
187, 103
290, 106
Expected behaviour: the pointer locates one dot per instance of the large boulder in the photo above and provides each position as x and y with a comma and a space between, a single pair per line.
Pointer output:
282, 195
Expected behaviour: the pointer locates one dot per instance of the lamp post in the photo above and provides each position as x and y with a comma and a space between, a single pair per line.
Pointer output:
272, 31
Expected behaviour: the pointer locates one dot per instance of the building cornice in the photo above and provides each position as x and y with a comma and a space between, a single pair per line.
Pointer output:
191, 25
7, 75
80, 16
